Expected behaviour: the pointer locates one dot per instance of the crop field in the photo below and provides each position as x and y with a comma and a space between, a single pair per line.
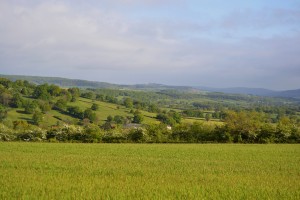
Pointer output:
149, 171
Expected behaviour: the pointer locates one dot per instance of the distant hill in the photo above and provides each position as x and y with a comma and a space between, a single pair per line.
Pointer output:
255, 91
65, 82
240, 90
62, 82
287, 93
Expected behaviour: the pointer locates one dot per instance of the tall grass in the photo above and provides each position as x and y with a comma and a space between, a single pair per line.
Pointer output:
149, 171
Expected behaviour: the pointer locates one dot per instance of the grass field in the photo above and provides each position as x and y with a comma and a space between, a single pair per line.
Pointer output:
149, 171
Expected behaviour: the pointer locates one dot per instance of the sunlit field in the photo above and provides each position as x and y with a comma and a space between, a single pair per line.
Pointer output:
149, 171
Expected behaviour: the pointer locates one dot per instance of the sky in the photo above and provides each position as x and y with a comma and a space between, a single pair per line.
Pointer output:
212, 43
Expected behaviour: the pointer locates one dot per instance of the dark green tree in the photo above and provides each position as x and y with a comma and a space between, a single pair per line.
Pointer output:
137, 118
41, 92
207, 117
95, 106
37, 117
128, 103
89, 114
3, 113
17, 101
30, 107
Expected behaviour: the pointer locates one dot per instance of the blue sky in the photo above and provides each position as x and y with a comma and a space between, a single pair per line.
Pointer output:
212, 43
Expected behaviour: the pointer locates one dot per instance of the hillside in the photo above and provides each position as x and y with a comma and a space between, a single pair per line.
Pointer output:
47, 112
105, 109
66, 83
62, 82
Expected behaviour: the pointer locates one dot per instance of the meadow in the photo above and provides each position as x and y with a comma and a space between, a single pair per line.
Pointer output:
149, 171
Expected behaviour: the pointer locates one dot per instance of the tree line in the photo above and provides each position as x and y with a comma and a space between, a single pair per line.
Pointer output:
238, 127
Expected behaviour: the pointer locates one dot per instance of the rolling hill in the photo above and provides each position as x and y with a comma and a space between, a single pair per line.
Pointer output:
65, 82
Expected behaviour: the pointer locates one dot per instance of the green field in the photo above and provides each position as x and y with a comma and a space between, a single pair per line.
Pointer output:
149, 171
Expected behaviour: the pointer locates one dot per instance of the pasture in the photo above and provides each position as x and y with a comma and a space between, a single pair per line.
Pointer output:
149, 171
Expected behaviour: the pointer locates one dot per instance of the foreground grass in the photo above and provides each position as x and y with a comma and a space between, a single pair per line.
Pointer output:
149, 171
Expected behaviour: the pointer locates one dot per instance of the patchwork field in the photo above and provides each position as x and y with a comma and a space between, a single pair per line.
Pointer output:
149, 171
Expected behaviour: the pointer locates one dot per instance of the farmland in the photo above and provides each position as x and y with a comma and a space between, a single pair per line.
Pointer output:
149, 171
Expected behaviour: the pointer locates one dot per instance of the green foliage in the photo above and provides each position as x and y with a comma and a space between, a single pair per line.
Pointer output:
170, 118
119, 119
5, 98
88, 95
128, 103
54, 90
109, 118
3, 113
233, 118
30, 107
137, 118
207, 116
33, 134
44, 106
244, 126
75, 111
95, 106
158, 133
61, 105
37, 117
138, 135
17, 101
41, 92
89, 114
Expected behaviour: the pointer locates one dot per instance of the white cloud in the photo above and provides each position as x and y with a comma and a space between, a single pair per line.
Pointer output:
48, 37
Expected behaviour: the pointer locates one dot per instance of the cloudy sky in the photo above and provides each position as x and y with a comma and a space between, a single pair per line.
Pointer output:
212, 43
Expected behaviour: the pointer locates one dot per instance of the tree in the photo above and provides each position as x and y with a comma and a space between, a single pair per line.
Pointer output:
54, 90
95, 106
109, 118
128, 103
100, 97
88, 95
89, 114
5, 98
44, 106
284, 129
17, 101
137, 135
3, 113
244, 126
37, 117
138, 118
41, 92
119, 119
153, 108
207, 117
164, 118
175, 115
75, 111
30, 107
60, 105
75, 93
5, 82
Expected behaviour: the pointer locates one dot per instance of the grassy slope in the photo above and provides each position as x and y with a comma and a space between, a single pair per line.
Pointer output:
105, 109
148, 171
